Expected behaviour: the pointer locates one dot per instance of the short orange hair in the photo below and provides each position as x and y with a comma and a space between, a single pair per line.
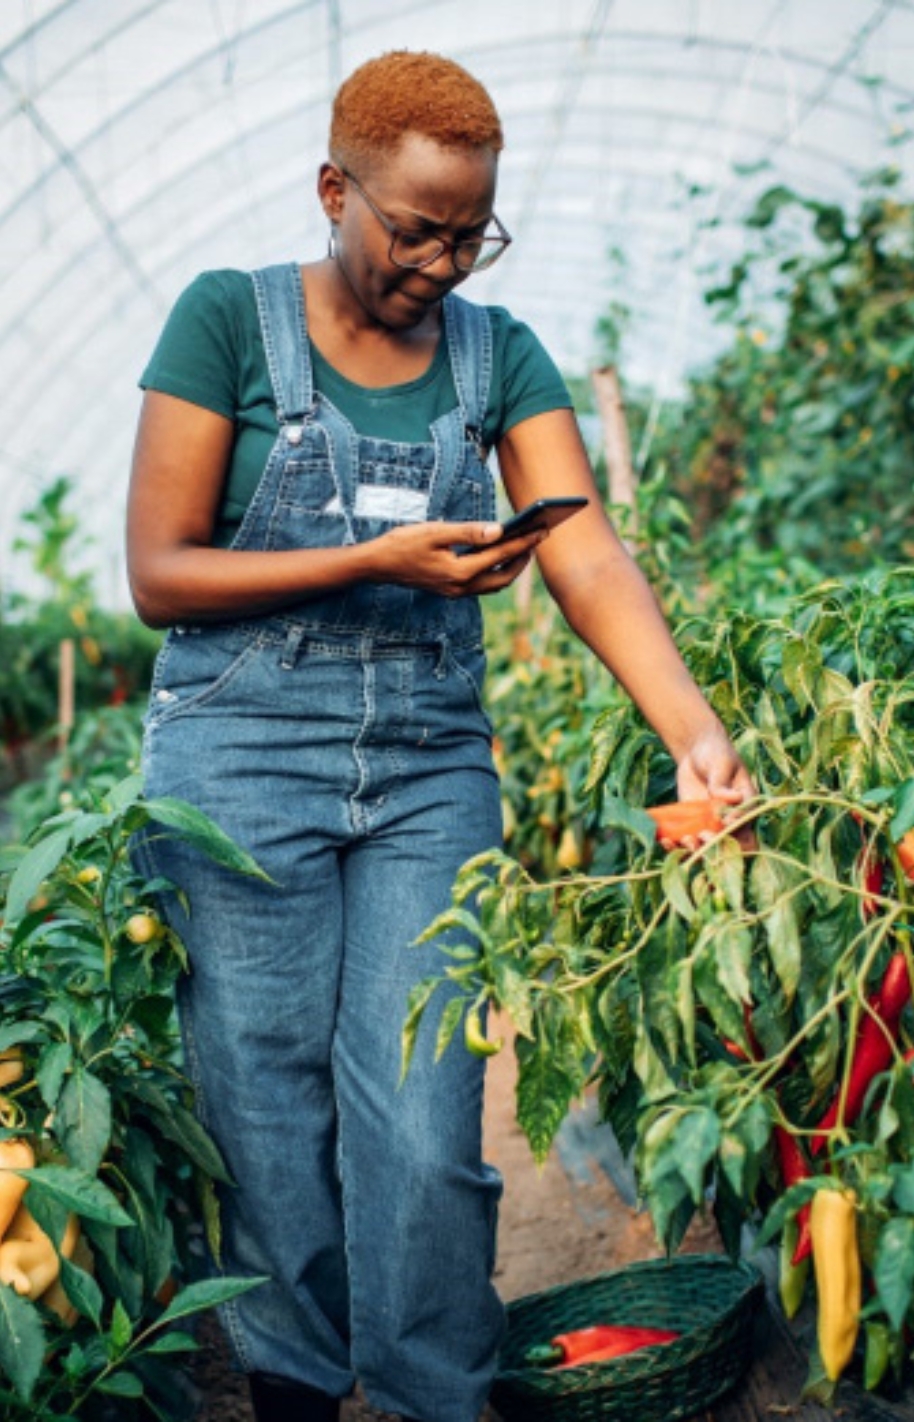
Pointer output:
403, 92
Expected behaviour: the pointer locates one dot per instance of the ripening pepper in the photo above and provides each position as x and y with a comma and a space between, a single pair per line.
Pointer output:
905, 851
836, 1259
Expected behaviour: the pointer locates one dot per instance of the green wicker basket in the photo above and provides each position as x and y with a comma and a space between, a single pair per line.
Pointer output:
710, 1301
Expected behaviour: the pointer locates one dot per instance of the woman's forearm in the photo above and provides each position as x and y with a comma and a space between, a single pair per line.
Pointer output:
205, 584
611, 607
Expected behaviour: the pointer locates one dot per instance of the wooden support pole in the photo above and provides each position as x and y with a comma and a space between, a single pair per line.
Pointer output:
617, 446
66, 699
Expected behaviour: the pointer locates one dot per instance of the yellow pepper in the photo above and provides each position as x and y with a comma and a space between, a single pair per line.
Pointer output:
12, 1067
836, 1257
28, 1260
15, 1155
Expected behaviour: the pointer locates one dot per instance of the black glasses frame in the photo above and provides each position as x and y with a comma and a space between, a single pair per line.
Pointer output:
500, 242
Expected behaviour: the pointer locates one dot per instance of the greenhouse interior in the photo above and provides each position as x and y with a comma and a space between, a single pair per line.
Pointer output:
239, 414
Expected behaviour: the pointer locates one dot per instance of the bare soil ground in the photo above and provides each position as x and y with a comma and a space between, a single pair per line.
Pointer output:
557, 1224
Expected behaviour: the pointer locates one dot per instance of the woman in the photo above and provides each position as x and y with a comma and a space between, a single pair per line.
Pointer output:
309, 471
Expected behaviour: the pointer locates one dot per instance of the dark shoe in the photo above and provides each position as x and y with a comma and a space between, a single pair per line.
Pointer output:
282, 1400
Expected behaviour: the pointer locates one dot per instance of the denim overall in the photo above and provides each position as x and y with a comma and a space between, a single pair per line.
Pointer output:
344, 744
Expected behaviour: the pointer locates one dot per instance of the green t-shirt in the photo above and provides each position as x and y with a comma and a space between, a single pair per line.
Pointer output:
211, 353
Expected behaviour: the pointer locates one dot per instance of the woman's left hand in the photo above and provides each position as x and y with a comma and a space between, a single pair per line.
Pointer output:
712, 769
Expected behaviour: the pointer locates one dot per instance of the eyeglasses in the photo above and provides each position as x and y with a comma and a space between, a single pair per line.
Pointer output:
419, 249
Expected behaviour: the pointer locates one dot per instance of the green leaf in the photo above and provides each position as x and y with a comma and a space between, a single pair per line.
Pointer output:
77, 1191
54, 1063
50, 1215
893, 1269
120, 1384
82, 1291
726, 867
618, 814
684, 1003
650, 1070
83, 1119
732, 949
173, 1343
903, 1191
726, 1011
546, 1086
453, 919
40, 861
22, 1341
121, 1331
671, 1207
16, 1034
181, 1126
212, 1218
450, 1020
127, 791
207, 1293
788, 1204
513, 991
419, 996
771, 887
695, 1144
675, 887
204, 834
903, 819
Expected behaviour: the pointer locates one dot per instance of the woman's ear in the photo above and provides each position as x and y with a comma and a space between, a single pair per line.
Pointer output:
330, 189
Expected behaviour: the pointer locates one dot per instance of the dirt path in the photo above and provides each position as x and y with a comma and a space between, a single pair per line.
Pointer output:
557, 1224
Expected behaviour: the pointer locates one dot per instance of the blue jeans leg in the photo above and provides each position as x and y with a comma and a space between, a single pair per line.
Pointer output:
257, 1014
420, 1205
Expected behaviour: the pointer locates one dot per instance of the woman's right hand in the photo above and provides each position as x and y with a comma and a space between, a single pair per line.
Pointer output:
177, 575
421, 555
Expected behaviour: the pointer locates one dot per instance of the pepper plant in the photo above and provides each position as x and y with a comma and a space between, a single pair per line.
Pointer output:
716, 1000
798, 440
87, 997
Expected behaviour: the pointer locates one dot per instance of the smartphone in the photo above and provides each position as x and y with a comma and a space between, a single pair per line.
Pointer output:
542, 513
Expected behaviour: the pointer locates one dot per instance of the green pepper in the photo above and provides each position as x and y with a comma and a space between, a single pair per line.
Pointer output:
792, 1277
475, 1038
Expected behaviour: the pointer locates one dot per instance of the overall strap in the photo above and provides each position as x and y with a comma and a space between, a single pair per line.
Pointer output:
469, 338
281, 307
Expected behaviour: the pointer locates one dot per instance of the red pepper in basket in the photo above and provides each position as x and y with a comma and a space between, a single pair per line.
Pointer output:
595, 1345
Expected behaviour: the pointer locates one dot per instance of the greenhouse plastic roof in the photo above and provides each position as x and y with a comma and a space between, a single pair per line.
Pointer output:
144, 140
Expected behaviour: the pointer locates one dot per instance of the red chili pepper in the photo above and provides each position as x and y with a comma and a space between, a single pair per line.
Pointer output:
873, 1048
794, 1168
872, 874
596, 1344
